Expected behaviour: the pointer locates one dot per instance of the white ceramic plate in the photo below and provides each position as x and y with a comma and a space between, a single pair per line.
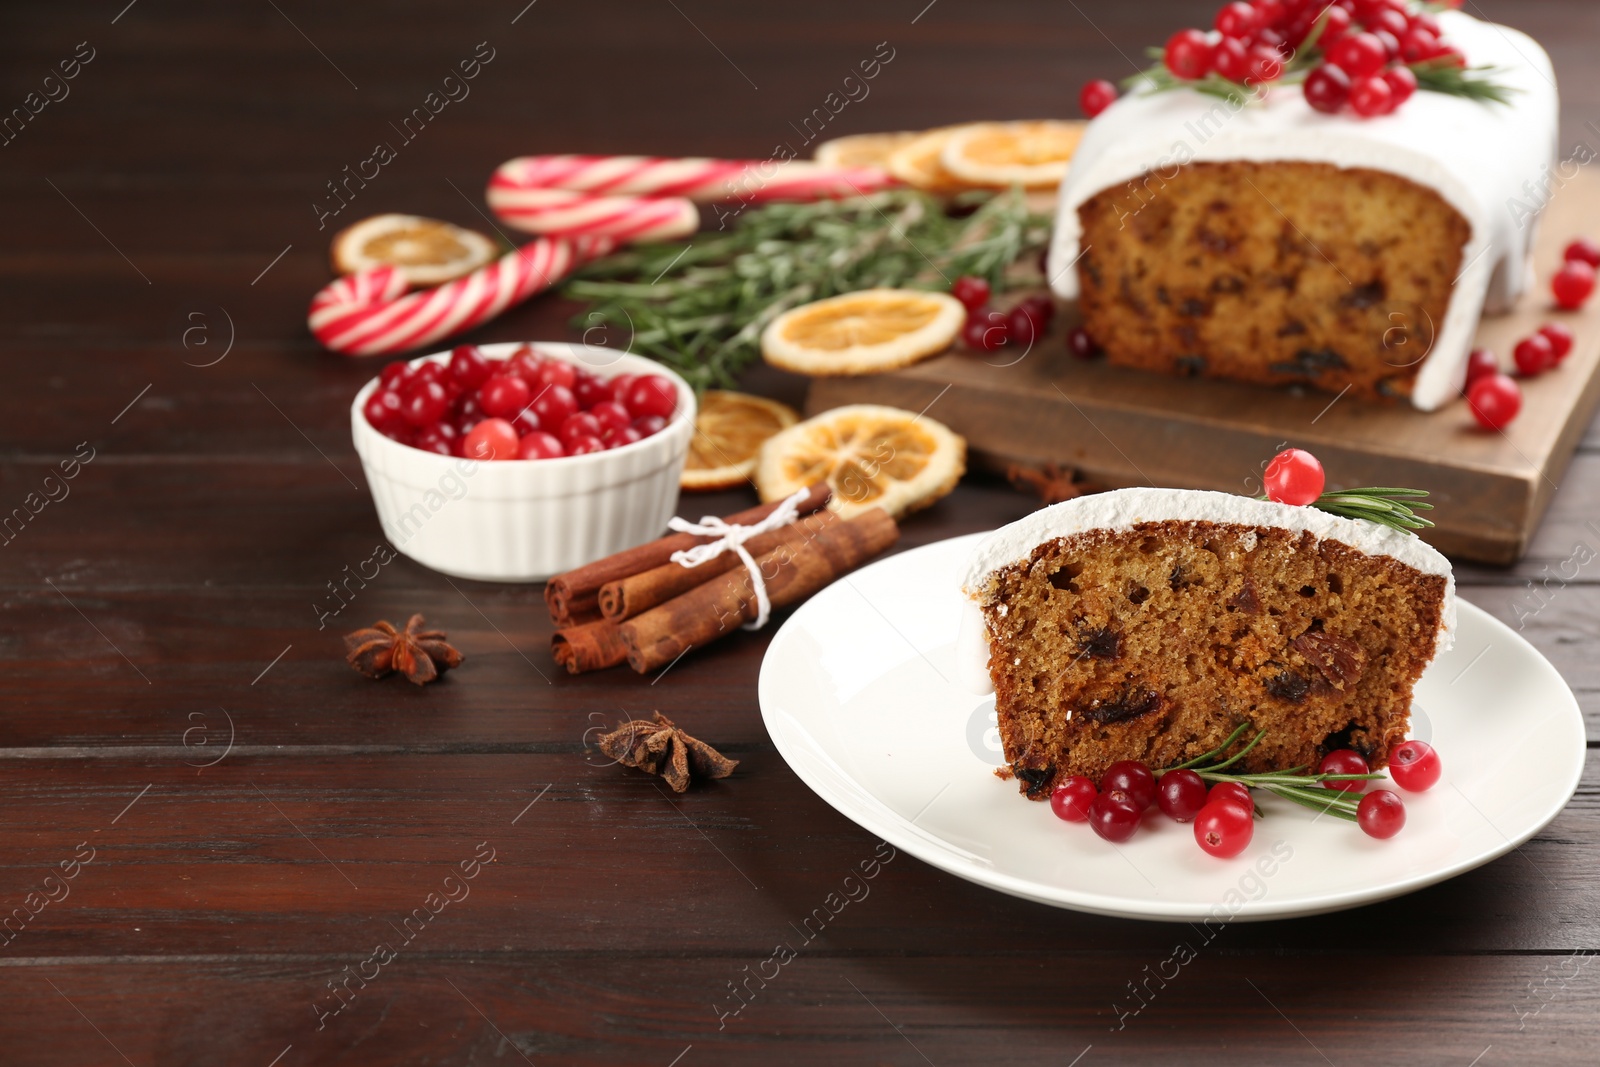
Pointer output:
858, 693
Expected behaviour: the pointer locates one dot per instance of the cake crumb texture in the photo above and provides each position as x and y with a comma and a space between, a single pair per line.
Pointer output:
1277, 273
1156, 642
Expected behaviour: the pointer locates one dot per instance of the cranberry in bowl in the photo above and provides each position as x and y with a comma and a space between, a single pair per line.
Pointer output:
513, 462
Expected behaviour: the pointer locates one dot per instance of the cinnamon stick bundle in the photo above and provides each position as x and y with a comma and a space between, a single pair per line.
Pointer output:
592, 646
792, 572
637, 593
574, 597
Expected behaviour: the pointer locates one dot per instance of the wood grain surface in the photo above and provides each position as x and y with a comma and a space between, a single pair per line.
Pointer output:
245, 819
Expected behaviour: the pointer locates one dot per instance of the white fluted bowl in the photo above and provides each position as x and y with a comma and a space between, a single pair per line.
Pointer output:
525, 520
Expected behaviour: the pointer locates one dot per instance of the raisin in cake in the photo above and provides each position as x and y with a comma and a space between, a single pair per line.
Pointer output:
1272, 243
1147, 624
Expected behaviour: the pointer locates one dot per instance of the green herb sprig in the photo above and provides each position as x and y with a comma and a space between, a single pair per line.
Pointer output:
1473, 83
700, 306
1291, 784
1384, 505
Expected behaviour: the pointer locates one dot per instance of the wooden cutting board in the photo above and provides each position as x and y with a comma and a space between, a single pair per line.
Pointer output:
1121, 427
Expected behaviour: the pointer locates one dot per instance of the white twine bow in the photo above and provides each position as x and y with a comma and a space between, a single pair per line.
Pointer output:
733, 536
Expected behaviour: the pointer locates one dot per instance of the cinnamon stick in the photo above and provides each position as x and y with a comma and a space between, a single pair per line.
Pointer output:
590, 647
637, 593
792, 572
573, 597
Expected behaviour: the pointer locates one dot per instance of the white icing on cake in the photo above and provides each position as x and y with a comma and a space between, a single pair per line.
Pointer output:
1122, 509
1488, 161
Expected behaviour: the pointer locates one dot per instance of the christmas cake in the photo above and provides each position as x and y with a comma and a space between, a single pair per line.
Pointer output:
1262, 239
1148, 624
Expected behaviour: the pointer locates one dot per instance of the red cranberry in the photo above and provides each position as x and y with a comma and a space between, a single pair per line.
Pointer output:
1416, 44
1534, 355
1072, 798
611, 415
1188, 54
1294, 477
1223, 829
553, 405
1041, 308
1415, 766
1371, 97
1495, 401
651, 395
468, 367
1133, 778
1266, 65
1572, 284
1335, 24
1021, 325
1270, 12
424, 403
1391, 44
1480, 364
539, 445
985, 331
1232, 793
1581, 248
1231, 59
491, 439
1402, 85
382, 409
585, 445
1381, 813
1327, 88
525, 422
1114, 820
1182, 794
1081, 344
1389, 19
619, 387
1358, 55
555, 372
439, 439
650, 424
578, 426
524, 364
626, 435
1560, 338
393, 374
972, 291
503, 395
1236, 20
590, 390
1095, 97
1344, 761
429, 371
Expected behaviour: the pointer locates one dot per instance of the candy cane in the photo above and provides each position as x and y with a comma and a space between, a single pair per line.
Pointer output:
649, 198
583, 206
369, 313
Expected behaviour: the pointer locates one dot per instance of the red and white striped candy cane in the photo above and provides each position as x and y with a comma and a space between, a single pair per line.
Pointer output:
370, 313
650, 198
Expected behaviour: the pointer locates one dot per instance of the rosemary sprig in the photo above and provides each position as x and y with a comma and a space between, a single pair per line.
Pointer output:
1472, 83
1385, 505
1306, 790
700, 306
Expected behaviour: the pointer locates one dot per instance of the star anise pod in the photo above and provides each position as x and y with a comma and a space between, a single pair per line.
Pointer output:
421, 655
1050, 483
659, 747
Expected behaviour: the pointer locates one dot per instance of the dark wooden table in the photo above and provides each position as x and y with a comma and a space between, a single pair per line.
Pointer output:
244, 818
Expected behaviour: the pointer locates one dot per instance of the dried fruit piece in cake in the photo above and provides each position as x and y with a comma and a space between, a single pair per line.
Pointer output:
871, 456
426, 251
1149, 624
730, 429
865, 332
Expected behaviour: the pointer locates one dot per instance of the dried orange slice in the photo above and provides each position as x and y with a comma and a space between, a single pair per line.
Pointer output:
917, 162
729, 432
872, 456
1011, 153
427, 251
861, 149
865, 332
